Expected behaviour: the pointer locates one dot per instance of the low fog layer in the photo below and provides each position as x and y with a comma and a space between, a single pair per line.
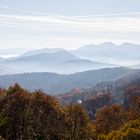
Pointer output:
90, 57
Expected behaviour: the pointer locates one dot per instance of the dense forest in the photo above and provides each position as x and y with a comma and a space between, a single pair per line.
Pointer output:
26, 115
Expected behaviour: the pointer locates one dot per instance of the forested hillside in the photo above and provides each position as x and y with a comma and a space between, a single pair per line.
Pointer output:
116, 87
38, 116
59, 83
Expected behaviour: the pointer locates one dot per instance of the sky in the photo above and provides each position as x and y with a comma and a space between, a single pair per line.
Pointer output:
69, 24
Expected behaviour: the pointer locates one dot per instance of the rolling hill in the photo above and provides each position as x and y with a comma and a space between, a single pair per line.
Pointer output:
115, 87
60, 83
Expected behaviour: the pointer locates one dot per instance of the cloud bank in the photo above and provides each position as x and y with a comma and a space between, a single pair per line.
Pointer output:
69, 32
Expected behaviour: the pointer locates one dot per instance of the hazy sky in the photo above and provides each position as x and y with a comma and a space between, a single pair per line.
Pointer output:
69, 24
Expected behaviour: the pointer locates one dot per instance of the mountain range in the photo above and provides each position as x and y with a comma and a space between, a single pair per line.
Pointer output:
125, 54
59, 83
57, 60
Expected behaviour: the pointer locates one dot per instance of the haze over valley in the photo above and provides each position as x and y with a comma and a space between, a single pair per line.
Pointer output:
90, 57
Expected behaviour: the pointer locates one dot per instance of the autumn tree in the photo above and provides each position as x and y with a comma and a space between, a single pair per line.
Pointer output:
134, 108
97, 102
130, 131
25, 115
13, 113
44, 116
110, 118
78, 126
131, 93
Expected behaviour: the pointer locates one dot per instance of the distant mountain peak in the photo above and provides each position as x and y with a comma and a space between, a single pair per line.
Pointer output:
107, 44
127, 44
43, 50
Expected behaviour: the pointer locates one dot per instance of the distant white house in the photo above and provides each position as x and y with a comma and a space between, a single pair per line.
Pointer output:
100, 93
79, 101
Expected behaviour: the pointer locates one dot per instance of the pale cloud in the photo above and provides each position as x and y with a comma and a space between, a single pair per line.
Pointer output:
83, 24
67, 31
4, 6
